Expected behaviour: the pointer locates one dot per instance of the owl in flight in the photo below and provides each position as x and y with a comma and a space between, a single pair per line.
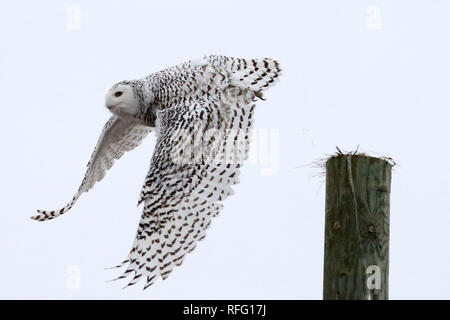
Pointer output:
202, 114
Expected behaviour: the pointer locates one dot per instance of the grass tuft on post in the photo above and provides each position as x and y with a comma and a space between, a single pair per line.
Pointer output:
356, 265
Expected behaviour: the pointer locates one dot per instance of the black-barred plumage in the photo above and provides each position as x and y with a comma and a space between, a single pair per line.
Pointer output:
202, 113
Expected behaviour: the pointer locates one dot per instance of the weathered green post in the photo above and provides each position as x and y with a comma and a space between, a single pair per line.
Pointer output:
357, 228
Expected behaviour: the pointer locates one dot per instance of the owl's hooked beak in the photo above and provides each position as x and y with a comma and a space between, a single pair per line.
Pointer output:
114, 109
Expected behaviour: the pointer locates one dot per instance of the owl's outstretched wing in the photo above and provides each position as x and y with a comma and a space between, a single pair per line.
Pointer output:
199, 151
117, 137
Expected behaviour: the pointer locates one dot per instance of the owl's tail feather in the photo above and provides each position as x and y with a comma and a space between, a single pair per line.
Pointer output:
45, 215
255, 74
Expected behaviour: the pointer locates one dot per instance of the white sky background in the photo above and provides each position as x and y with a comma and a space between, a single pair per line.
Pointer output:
348, 81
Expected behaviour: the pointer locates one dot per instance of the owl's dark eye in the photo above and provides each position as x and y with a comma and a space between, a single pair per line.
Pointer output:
118, 93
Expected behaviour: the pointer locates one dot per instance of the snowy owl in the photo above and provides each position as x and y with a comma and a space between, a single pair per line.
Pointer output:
202, 114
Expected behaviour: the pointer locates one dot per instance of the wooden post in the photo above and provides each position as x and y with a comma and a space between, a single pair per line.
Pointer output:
357, 228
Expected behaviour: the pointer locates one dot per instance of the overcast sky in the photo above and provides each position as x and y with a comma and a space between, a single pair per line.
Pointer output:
369, 73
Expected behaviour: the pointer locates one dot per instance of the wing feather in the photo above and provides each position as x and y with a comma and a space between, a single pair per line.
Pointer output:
118, 136
199, 151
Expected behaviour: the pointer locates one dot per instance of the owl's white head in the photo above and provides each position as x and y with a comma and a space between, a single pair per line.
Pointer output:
121, 100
